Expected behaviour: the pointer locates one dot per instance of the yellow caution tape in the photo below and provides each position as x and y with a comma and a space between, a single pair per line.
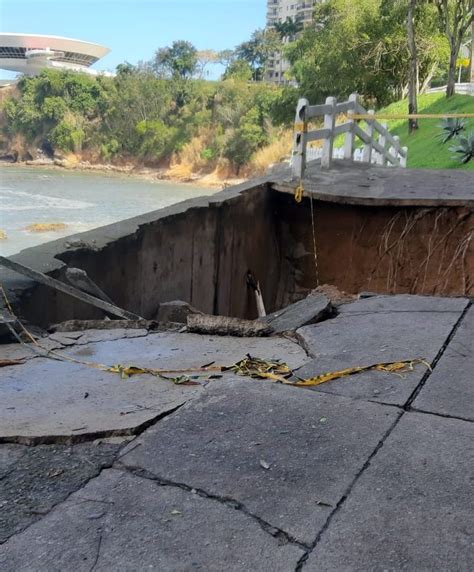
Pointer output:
301, 127
388, 116
277, 371
398, 367
299, 193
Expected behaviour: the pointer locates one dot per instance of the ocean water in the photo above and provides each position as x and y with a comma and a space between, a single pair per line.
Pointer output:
81, 201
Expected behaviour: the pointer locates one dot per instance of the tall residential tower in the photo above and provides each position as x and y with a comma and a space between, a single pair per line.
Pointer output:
280, 11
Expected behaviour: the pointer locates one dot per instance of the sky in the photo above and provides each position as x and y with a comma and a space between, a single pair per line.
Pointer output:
134, 29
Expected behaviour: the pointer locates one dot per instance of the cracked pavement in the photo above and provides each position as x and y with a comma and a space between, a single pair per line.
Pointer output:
367, 472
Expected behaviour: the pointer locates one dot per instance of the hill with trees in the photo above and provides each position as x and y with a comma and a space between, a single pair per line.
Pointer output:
165, 113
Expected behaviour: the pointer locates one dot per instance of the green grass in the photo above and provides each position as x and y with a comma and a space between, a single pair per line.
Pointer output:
425, 150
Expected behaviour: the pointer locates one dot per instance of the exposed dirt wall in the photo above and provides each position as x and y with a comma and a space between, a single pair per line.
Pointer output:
380, 249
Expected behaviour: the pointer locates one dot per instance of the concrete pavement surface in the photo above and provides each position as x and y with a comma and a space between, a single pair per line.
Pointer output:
372, 471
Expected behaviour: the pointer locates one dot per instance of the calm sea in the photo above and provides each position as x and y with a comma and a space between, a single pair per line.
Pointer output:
81, 201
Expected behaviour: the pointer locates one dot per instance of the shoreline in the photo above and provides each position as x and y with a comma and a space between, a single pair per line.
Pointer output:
148, 174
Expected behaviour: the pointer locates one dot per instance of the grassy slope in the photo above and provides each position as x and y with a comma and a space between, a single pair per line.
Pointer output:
425, 149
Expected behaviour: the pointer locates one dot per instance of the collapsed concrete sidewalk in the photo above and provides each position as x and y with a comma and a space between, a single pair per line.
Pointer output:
368, 472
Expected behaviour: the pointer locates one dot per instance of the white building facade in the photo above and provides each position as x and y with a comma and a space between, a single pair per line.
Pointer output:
280, 11
31, 53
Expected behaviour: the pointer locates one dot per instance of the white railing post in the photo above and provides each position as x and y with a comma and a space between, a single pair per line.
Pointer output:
396, 148
382, 160
404, 157
329, 123
368, 147
298, 163
350, 136
379, 146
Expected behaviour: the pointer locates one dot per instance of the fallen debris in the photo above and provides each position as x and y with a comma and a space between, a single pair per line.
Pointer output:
176, 311
255, 286
66, 289
82, 325
256, 367
310, 310
225, 326
7, 362
264, 464
81, 280
336, 296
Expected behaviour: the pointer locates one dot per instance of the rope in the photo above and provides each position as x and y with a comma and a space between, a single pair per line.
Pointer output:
315, 251
388, 116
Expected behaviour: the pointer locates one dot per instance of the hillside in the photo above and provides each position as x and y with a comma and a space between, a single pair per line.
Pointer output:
425, 149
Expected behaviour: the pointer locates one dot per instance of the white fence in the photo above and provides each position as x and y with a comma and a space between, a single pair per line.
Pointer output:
379, 146
460, 88
313, 153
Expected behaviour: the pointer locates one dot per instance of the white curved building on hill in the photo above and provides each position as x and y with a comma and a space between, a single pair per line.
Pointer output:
31, 53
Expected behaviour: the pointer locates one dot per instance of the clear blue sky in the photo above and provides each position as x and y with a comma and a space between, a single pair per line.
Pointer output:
134, 29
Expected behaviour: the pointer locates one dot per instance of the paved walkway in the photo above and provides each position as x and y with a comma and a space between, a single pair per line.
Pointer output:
373, 185
367, 472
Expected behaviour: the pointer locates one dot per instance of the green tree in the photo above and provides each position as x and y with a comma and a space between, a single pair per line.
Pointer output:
362, 47
246, 139
288, 29
180, 60
257, 50
226, 58
456, 17
204, 59
287, 32
239, 70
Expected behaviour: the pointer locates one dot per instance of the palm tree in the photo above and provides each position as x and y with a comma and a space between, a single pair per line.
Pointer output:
287, 31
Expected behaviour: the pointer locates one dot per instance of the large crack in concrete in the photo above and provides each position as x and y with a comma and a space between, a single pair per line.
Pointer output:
87, 437
277, 533
346, 494
403, 411
28, 493
448, 340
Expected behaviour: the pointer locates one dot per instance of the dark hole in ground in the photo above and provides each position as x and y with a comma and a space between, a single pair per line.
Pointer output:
202, 253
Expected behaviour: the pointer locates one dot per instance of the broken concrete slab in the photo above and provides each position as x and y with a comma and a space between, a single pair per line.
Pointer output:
175, 350
47, 400
82, 325
400, 303
176, 311
40, 477
411, 508
120, 522
286, 454
310, 310
89, 336
27, 351
375, 330
450, 388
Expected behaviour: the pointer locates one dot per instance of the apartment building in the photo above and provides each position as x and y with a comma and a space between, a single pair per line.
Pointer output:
280, 11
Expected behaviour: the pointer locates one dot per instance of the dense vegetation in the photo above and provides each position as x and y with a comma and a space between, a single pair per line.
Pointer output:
164, 112
138, 115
